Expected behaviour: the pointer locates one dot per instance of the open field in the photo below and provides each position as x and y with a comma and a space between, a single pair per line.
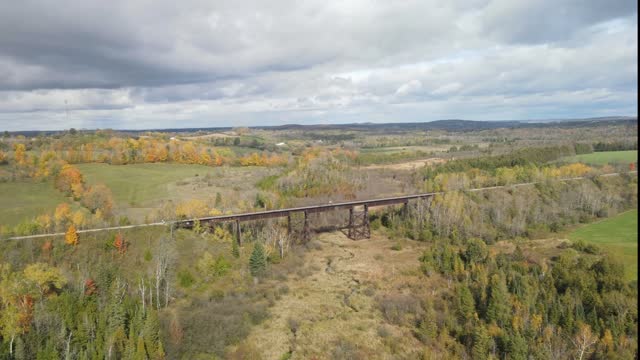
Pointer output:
408, 165
139, 183
26, 200
140, 188
606, 157
405, 149
618, 236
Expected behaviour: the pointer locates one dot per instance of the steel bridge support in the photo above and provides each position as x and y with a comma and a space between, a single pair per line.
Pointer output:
358, 227
306, 232
238, 233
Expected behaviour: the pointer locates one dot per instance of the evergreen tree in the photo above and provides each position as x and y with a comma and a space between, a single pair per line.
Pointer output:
498, 309
427, 327
140, 354
235, 249
258, 261
518, 347
466, 304
151, 332
481, 342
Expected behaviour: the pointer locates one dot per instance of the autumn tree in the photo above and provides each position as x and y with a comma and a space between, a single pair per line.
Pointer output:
90, 287
19, 154
62, 214
120, 244
71, 236
46, 278
98, 197
70, 181
583, 340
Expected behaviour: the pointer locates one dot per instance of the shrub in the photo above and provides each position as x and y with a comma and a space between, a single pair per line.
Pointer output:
399, 309
185, 279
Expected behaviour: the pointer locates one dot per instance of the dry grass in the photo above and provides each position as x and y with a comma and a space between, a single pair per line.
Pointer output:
409, 165
334, 300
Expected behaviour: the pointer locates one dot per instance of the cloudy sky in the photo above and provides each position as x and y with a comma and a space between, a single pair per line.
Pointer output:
128, 64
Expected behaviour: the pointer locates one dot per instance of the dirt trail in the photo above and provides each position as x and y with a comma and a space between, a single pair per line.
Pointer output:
333, 298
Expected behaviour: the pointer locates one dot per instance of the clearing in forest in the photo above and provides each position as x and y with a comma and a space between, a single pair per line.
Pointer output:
618, 236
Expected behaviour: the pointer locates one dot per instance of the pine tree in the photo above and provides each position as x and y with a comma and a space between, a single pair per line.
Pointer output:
218, 202
258, 261
498, 309
481, 340
140, 354
466, 304
427, 327
235, 249
151, 332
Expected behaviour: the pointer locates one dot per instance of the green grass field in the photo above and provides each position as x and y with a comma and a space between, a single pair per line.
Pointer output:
618, 236
139, 183
606, 157
26, 200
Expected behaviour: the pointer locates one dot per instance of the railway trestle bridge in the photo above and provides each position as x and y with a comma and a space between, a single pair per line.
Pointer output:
357, 228
358, 223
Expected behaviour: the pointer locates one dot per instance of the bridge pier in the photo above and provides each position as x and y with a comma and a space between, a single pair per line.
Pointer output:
306, 232
358, 227
238, 233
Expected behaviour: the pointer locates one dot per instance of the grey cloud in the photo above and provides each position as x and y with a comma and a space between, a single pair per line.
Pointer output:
543, 21
284, 60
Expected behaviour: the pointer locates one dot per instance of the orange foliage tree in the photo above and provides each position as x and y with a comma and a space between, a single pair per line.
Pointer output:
90, 287
71, 237
70, 181
62, 213
98, 197
120, 244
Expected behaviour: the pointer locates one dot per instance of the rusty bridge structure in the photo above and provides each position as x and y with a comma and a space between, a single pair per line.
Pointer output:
298, 217
358, 222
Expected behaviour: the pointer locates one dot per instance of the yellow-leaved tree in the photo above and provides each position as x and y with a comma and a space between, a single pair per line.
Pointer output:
71, 237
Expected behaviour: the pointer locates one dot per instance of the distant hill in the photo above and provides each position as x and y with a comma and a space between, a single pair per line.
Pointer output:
447, 125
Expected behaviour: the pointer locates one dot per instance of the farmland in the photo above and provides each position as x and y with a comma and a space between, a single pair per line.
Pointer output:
26, 200
607, 157
617, 236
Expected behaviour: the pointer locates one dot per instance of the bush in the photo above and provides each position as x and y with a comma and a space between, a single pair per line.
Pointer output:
400, 309
185, 279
